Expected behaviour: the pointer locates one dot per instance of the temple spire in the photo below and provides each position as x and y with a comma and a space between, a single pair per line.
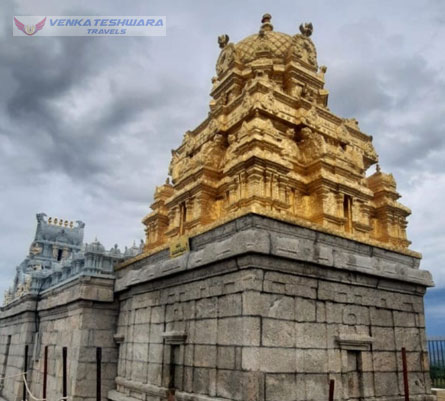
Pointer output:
255, 152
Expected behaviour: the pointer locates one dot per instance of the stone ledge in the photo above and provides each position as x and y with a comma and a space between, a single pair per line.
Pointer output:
82, 288
182, 396
174, 337
261, 235
355, 342
119, 338
149, 389
114, 395
402, 398
18, 306
439, 393
292, 221
156, 391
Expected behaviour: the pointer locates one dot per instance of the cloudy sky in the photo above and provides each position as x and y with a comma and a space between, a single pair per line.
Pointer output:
87, 124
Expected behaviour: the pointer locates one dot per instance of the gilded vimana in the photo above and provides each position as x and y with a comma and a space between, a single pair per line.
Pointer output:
274, 266
271, 146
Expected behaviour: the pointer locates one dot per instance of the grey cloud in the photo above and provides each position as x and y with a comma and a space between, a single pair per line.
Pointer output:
348, 95
399, 100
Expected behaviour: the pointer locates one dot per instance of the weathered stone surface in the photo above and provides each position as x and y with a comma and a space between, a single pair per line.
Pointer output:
305, 310
385, 361
206, 331
239, 331
205, 356
311, 335
312, 361
278, 333
230, 305
386, 384
267, 305
281, 387
269, 359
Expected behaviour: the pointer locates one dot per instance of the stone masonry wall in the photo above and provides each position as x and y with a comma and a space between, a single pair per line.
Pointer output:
17, 329
262, 327
81, 316
267, 335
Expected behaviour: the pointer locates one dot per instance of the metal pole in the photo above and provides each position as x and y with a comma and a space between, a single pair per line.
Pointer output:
331, 389
45, 371
25, 369
171, 384
98, 373
442, 353
405, 374
64, 354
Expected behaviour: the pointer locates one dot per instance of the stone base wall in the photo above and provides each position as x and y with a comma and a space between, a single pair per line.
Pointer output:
258, 310
254, 325
80, 315
17, 327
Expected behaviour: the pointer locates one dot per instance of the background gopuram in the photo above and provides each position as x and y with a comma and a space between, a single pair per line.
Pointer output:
273, 264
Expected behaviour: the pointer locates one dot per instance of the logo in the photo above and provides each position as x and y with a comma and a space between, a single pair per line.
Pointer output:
89, 25
30, 29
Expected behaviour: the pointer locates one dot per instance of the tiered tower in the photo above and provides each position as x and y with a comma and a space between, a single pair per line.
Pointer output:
270, 145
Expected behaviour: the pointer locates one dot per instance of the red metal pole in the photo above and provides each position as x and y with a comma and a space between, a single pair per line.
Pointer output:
25, 374
331, 389
45, 370
405, 374
64, 356
98, 373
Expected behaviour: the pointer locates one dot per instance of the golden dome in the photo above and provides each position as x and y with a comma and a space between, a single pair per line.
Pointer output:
280, 47
276, 42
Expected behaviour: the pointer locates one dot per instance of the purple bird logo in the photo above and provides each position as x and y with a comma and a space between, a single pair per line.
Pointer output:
29, 29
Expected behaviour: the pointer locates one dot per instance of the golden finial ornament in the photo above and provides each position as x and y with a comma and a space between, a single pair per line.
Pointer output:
223, 40
306, 29
266, 25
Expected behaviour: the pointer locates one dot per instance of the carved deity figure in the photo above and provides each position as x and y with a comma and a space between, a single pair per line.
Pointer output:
7, 297
312, 145
290, 148
303, 48
212, 152
312, 118
330, 203
267, 101
227, 55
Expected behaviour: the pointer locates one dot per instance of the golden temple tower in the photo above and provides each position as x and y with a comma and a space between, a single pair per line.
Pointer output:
271, 146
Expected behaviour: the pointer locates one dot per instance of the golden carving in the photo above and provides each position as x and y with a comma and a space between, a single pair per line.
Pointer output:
304, 49
225, 59
271, 146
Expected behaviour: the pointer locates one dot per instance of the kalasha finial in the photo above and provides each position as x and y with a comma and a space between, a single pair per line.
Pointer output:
306, 29
223, 40
266, 25
378, 169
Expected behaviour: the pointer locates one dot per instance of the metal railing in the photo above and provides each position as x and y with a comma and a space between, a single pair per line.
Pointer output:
436, 351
